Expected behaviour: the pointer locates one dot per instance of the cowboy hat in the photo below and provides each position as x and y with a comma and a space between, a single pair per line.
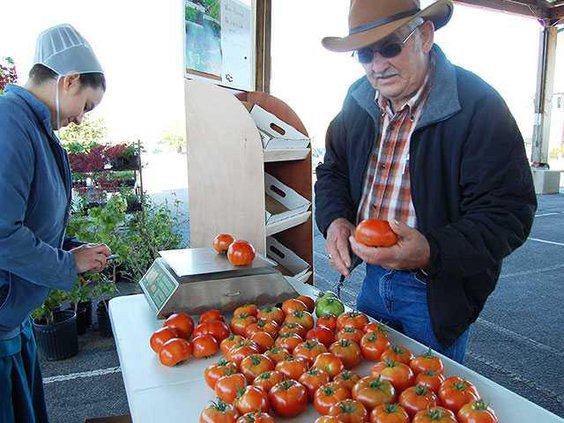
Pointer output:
373, 20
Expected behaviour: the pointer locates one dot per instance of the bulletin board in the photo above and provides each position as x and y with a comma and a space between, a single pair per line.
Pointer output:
220, 42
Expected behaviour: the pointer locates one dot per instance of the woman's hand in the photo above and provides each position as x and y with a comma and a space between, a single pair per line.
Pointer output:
91, 257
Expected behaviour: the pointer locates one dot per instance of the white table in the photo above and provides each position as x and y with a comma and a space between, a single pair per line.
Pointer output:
159, 394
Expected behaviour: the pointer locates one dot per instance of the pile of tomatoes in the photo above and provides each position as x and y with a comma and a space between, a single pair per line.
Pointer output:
277, 360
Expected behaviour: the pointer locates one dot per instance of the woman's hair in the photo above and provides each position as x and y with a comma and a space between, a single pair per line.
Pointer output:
40, 73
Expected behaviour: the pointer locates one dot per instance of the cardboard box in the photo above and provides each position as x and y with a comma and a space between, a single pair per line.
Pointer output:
275, 133
282, 202
290, 264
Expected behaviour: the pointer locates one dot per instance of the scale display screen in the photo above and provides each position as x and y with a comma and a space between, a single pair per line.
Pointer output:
158, 284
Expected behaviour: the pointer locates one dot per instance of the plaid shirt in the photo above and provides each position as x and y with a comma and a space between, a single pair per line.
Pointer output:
387, 192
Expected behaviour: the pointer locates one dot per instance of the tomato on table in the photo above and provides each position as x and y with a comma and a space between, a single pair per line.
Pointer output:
389, 413
398, 353
455, 392
327, 320
160, 336
204, 346
373, 391
327, 419
271, 313
175, 351
309, 350
313, 379
375, 327
268, 379
263, 339
431, 379
348, 351
425, 362
373, 344
240, 253
182, 322
328, 304
277, 354
303, 318
347, 378
255, 364
230, 342
329, 363
222, 242
417, 398
355, 319
215, 328
258, 417
375, 233
400, 375
476, 412
251, 309
288, 398
308, 301
214, 371
328, 395
296, 328
349, 411
211, 315
292, 367
240, 322
261, 325
252, 399
321, 334
293, 304
435, 415
288, 341
349, 332
241, 350
227, 387
219, 411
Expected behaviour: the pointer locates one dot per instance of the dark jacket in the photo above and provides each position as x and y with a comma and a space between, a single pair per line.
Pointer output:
471, 185
35, 193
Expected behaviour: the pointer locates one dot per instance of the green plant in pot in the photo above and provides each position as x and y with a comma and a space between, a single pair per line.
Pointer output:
104, 289
55, 329
80, 299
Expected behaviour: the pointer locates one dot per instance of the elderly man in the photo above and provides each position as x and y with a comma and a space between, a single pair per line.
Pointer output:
434, 150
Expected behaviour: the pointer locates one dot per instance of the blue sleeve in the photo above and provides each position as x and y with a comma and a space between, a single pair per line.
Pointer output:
21, 251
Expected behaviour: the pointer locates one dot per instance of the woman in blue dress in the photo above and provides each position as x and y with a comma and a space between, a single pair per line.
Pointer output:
65, 83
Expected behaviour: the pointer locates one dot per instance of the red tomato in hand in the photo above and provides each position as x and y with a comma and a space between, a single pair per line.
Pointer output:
160, 336
204, 346
375, 233
227, 387
241, 253
476, 412
417, 398
214, 371
219, 412
175, 351
435, 415
215, 328
455, 392
288, 398
389, 413
222, 242
182, 322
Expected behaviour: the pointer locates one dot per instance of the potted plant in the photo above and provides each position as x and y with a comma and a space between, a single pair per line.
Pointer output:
55, 329
104, 289
81, 302
8, 74
124, 156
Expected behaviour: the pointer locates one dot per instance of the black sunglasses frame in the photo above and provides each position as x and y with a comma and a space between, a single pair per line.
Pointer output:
366, 55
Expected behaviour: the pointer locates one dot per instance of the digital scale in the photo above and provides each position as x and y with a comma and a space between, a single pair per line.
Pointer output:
194, 280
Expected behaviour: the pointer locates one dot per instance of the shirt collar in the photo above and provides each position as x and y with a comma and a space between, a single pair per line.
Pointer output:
40, 109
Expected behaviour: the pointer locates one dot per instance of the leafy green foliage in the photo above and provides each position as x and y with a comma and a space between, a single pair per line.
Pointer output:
81, 138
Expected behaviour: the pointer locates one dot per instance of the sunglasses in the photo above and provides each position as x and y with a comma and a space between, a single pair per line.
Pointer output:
366, 55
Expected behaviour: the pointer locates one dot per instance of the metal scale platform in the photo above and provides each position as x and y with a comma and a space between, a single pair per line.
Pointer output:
198, 279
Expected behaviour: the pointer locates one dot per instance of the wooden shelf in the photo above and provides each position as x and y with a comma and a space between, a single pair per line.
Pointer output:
285, 155
282, 225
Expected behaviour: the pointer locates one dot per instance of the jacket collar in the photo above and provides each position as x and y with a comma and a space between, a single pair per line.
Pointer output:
443, 98
39, 109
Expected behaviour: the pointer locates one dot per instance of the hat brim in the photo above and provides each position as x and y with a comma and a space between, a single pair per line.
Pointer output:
439, 13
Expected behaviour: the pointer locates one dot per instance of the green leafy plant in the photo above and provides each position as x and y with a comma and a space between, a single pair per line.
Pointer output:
8, 73
51, 304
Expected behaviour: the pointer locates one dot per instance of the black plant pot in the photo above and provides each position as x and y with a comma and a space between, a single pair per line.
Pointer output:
83, 317
104, 324
59, 340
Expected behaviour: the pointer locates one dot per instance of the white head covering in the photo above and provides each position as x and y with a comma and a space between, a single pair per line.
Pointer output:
63, 50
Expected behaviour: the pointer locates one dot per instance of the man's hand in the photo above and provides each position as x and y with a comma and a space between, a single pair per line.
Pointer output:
411, 252
91, 257
337, 245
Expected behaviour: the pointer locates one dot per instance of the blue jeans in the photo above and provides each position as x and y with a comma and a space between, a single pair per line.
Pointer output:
399, 299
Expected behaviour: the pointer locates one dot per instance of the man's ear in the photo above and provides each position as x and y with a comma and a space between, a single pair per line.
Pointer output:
71, 81
427, 36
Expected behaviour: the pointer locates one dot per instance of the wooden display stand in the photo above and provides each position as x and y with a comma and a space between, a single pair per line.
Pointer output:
226, 171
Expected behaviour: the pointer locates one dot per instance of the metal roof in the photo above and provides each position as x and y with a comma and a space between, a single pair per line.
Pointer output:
550, 11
